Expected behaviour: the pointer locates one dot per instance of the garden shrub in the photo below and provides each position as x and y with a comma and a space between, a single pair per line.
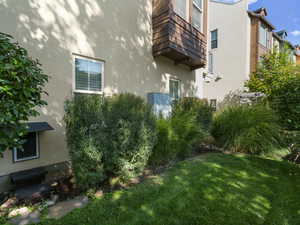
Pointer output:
162, 151
179, 134
248, 129
83, 115
128, 135
200, 108
109, 137
286, 103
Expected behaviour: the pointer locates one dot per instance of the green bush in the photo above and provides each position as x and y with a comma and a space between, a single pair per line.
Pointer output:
83, 116
179, 134
108, 137
200, 108
128, 135
286, 103
163, 151
247, 129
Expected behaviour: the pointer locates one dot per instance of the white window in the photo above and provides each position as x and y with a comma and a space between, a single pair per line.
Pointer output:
29, 150
197, 14
181, 7
210, 63
88, 75
263, 35
174, 89
214, 39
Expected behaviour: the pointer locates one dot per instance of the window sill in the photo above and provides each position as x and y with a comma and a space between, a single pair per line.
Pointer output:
26, 159
88, 92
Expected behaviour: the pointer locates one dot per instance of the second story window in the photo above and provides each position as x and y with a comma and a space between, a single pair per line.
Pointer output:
197, 14
180, 7
174, 89
88, 75
214, 39
210, 63
263, 35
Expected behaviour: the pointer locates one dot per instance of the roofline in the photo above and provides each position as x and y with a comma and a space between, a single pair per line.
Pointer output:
252, 14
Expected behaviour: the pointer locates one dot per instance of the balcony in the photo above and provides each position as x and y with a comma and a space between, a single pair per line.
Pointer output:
177, 39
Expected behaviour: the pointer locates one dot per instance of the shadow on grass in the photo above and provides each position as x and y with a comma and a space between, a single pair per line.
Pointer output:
210, 190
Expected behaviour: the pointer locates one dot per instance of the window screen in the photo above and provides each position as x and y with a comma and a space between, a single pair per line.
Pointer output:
197, 16
180, 8
210, 63
29, 149
88, 75
263, 35
174, 87
214, 39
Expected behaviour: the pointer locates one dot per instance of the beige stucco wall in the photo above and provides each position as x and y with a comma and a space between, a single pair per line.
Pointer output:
232, 57
118, 32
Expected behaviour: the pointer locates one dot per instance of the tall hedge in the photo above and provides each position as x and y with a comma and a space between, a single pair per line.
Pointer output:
109, 137
129, 134
83, 117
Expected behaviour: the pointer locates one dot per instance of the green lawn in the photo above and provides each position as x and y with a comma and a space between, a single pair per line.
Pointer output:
212, 189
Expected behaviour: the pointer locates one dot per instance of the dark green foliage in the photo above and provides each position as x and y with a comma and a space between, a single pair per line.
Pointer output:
83, 117
109, 137
163, 151
128, 137
21, 88
179, 134
286, 103
292, 141
247, 129
199, 107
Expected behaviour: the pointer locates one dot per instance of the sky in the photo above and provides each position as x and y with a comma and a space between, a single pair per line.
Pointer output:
283, 14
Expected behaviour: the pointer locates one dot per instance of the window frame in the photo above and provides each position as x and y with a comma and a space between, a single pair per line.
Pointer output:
187, 6
210, 63
37, 156
216, 41
194, 5
179, 87
262, 26
77, 56
189, 13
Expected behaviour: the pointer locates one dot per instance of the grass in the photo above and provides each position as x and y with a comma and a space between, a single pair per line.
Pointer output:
212, 189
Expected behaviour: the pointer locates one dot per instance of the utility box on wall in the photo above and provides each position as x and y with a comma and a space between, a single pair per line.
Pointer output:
161, 103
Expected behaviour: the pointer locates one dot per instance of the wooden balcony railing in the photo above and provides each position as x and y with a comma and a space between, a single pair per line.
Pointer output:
175, 38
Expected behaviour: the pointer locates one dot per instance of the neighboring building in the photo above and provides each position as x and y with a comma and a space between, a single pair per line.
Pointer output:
102, 47
280, 43
297, 54
229, 49
239, 39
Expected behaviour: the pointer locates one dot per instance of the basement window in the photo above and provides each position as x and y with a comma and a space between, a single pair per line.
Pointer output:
29, 150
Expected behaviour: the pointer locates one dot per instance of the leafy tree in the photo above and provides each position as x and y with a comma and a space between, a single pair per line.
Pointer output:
274, 70
279, 78
21, 88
